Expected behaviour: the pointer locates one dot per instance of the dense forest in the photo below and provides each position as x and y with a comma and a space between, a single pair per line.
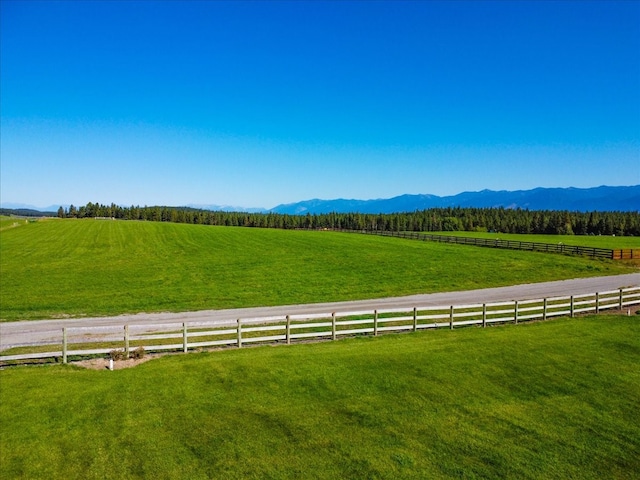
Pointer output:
433, 220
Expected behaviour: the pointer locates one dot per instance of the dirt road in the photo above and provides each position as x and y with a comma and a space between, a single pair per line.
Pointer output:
49, 331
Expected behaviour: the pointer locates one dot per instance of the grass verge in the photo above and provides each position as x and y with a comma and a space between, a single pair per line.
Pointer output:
554, 399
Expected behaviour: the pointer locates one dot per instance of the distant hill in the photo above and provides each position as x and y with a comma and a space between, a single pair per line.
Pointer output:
30, 208
26, 212
602, 198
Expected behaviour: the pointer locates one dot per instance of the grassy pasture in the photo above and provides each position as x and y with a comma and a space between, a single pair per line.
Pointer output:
57, 268
11, 222
554, 399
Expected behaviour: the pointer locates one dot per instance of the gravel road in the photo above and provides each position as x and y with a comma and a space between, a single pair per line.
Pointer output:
39, 332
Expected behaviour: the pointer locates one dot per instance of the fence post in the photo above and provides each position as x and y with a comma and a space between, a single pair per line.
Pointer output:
484, 315
333, 326
288, 331
597, 302
126, 341
621, 300
415, 319
544, 309
375, 323
515, 311
239, 333
185, 346
451, 317
64, 345
571, 307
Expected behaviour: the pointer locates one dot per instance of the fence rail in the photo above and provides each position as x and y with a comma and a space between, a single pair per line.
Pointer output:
596, 252
626, 254
90, 341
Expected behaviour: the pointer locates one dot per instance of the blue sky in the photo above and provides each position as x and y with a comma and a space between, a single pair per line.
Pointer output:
259, 103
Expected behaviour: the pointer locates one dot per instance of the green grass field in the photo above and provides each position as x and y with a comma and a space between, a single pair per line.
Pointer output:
544, 400
58, 268
11, 222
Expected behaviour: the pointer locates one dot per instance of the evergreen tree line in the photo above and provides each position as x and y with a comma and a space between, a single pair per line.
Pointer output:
432, 220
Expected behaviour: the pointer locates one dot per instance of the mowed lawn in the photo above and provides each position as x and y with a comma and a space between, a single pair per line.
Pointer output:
544, 400
59, 268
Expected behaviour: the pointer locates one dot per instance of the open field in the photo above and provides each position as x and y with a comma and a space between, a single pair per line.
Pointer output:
555, 399
12, 222
597, 241
59, 268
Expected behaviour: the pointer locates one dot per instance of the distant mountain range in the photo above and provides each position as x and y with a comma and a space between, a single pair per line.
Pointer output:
626, 199
227, 208
29, 210
572, 199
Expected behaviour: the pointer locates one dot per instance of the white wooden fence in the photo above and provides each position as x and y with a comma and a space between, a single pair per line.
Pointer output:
193, 336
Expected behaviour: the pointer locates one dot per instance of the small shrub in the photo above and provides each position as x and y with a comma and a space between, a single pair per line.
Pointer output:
117, 354
138, 353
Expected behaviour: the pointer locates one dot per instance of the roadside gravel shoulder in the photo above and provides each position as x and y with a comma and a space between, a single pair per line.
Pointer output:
48, 331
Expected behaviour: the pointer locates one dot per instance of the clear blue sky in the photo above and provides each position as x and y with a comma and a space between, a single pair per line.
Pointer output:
259, 103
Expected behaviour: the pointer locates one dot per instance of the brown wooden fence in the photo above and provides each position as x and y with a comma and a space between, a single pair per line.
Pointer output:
626, 254
595, 252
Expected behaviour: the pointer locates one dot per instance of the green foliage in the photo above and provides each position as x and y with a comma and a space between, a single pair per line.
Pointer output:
554, 399
70, 267
450, 219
